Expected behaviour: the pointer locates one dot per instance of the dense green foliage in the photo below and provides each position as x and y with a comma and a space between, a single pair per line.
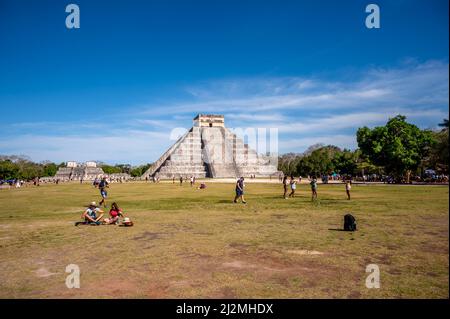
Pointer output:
398, 149
21, 167
322, 160
139, 170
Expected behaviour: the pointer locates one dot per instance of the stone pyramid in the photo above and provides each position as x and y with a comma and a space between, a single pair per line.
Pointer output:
209, 149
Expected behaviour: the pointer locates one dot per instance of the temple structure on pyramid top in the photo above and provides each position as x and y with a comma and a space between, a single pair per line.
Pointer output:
209, 149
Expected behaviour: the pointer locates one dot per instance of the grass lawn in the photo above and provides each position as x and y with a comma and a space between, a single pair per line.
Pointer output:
189, 243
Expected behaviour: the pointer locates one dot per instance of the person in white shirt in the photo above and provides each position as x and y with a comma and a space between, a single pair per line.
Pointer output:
293, 184
348, 187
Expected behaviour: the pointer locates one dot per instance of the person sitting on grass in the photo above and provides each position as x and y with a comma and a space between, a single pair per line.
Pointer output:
202, 186
115, 212
90, 215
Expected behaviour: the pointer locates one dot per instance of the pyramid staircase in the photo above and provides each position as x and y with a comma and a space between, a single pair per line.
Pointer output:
210, 152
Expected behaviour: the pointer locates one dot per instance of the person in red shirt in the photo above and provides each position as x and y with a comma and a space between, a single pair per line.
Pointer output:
114, 213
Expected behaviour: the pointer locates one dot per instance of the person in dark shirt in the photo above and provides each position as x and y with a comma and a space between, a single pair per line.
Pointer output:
102, 186
285, 185
240, 190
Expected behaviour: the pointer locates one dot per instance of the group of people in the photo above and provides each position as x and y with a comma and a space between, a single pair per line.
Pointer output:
182, 179
93, 215
287, 183
292, 183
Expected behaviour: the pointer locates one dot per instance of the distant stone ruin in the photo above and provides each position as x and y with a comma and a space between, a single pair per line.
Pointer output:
209, 149
75, 171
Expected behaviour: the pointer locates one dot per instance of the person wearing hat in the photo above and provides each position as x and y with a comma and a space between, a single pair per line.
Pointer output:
92, 215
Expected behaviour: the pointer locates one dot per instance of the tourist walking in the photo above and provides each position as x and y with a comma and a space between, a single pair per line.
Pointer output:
240, 190
293, 184
285, 186
314, 188
102, 186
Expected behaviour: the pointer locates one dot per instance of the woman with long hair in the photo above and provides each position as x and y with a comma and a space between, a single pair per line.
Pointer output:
285, 184
115, 212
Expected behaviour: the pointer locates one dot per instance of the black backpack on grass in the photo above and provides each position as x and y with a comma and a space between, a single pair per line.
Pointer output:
349, 223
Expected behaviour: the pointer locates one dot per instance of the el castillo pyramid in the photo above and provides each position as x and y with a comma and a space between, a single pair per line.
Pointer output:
209, 149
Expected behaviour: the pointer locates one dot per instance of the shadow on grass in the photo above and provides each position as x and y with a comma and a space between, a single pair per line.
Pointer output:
225, 201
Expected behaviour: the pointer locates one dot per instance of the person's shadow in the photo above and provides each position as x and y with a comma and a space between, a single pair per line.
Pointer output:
336, 229
224, 201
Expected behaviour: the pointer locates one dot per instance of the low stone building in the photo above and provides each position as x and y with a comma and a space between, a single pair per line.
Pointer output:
79, 171
117, 177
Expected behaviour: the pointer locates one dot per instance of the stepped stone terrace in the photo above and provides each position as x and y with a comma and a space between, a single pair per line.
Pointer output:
209, 149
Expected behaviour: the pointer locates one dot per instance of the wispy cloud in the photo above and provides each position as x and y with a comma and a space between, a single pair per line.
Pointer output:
305, 111
412, 84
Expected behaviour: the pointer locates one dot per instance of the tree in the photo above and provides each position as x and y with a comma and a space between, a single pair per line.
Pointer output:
319, 161
439, 155
49, 169
312, 148
398, 146
139, 170
108, 169
124, 168
345, 162
8, 169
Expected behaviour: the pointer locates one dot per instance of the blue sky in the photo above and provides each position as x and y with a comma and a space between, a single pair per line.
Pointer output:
115, 88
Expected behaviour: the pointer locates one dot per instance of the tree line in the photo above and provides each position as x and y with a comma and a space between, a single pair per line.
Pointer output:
398, 149
22, 167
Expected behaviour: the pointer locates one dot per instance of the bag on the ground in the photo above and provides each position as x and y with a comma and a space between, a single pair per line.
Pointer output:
349, 223
127, 222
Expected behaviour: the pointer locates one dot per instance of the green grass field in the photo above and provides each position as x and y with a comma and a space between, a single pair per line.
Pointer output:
189, 243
